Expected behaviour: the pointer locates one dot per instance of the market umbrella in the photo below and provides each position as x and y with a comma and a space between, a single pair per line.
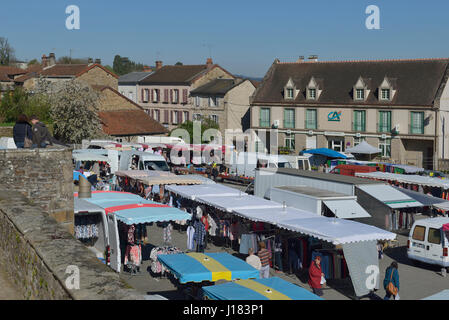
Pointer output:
326, 152
363, 148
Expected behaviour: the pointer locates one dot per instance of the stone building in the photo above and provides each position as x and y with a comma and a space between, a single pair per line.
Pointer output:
400, 106
165, 94
226, 101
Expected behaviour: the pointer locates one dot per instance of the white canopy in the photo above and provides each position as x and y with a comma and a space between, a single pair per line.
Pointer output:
406, 178
236, 202
204, 190
363, 148
346, 209
390, 196
89, 157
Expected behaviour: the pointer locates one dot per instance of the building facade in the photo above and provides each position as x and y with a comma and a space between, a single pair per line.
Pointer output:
128, 84
165, 94
399, 106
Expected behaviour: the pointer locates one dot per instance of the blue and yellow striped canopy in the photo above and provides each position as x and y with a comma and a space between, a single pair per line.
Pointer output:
198, 267
258, 289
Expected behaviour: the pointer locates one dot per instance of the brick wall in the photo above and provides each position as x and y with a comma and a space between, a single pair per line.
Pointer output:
44, 177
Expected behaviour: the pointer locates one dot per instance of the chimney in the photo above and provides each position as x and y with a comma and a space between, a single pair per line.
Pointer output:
313, 58
300, 59
147, 69
90, 60
51, 59
44, 61
209, 63
158, 65
97, 61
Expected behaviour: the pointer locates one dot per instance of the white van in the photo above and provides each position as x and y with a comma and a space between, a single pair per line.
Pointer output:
298, 162
428, 242
145, 161
245, 163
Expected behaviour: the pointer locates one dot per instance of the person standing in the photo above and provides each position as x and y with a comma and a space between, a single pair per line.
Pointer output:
264, 256
253, 260
391, 276
22, 132
315, 275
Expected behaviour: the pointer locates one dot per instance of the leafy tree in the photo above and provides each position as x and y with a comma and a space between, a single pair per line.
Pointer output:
74, 107
122, 65
34, 61
18, 101
178, 63
6, 52
206, 124
69, 60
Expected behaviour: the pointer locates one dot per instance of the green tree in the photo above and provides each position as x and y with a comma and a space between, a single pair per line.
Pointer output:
32, 62
74, 107
18, 101
6, 52
178, 63
206, 124
122, 65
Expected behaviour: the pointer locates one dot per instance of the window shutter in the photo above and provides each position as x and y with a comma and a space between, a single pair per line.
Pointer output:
142, 97
171, 116
171, 96
166, 95
184, 96
179, 116
165, 116
187, 115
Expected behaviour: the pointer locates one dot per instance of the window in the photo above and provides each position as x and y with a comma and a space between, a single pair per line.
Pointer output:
175, 96
214, 118
359, 121
264, 117
360, 94
157, 115
186, 116
311, 122
155, 95
385, 94
290, 141
434, 236
337, 145
197, 116
385, 148
417, 123
197, 101
290, 93
289, 118
146, 94
419, 233
212, 101
312, 94
175, 117
384, 121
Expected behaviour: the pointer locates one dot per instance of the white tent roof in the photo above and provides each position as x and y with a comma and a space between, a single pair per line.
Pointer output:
233, 203
406, 178
204, 190
363, 148
346, 209
89, 157
390, 196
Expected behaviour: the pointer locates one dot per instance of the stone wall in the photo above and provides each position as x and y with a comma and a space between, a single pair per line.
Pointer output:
40, 256
6, 131
112, 101
44, 176
98, 76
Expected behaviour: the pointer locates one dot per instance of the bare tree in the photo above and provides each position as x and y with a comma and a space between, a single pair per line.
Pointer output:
6, 52
74, 107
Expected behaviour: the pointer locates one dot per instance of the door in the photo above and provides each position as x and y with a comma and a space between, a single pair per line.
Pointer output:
434, 247
114, 242
417, 243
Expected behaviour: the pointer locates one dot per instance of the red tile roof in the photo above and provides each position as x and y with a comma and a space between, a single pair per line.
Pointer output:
129, 123
6, 72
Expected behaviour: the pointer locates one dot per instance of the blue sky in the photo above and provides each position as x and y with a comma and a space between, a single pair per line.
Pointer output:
243, 36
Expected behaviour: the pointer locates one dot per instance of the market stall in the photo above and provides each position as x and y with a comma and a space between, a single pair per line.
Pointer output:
258, 289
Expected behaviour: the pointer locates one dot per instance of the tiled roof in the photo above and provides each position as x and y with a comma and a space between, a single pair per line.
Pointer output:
175, 74
129, 123
133, 77
7, 73
416, 81
215, 87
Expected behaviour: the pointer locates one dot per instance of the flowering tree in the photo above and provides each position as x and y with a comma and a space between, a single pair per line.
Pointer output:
74, 107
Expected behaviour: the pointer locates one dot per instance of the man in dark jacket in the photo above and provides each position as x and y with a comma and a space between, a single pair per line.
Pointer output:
22, 130
41, 135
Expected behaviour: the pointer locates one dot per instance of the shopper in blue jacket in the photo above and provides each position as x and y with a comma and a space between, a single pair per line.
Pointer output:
391, 275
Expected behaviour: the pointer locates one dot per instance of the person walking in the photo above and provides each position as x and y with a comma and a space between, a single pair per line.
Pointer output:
264, 256
391, 282
22, 133
315, 275
253, 260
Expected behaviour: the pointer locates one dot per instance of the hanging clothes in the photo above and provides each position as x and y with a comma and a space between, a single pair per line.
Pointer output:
190, 241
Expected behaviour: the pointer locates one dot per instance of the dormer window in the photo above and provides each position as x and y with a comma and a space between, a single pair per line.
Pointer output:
385, 94
361, 89
290, 91
387, 89
360, 94
314, 89
312, 94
